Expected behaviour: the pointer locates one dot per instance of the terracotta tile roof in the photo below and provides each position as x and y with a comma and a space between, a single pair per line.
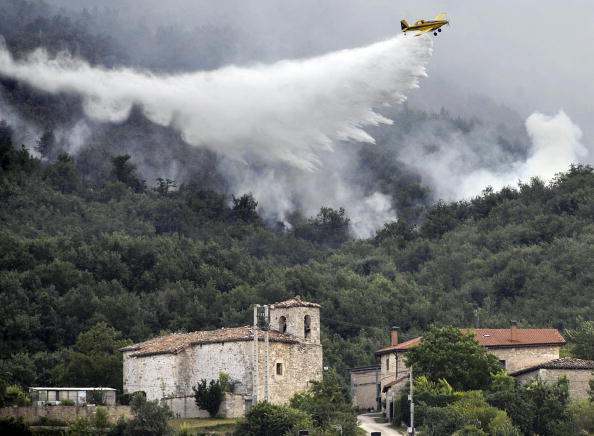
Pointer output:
295, 302
177, 342
403, 346
562, 363
496, 338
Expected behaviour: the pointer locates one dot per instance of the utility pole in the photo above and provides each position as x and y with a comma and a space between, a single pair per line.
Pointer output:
267, 350
412, 405
256, 357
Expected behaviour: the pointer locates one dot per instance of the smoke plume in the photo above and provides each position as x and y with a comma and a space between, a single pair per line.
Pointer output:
285, 119
285, 112
459, 167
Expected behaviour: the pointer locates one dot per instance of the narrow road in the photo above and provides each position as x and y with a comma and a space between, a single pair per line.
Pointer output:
368, 424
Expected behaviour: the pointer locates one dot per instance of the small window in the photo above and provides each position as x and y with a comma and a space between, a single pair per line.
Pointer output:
307, 326
502, 363
279, 369
282, 324
387, 363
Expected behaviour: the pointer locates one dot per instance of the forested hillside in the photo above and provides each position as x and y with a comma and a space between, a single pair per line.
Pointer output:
148, 260
90, 234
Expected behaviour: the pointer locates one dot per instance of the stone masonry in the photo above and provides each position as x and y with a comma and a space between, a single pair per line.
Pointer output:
167, 368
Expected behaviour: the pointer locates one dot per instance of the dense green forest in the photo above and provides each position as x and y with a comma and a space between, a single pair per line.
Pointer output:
146, 260
92, 255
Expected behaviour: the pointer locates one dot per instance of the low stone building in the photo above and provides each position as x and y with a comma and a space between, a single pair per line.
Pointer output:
515, 348
577, 371
53, 396
365, 388
167, 367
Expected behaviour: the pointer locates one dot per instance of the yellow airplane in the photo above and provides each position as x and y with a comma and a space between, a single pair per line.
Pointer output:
424, 26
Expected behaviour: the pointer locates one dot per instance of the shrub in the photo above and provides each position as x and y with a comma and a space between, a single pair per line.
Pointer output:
119, 429
67, 402
209, 397
267, 419
470, 430
14, 427
81, 427
327, 404
125, 399
14, 396
150, 418
101, 418
50, 422
501, 425
441, 421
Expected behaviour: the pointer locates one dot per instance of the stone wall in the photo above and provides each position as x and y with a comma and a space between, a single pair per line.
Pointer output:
525, 357
300, 363
579, 379
64, 413
233, 406
364, 389
295, 317
152, 374
174, 375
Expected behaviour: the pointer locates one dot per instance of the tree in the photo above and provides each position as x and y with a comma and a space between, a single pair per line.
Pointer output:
581, 340
329, 227
245, 208
63, 175
328, 404
454, 356
126, 173
95, 359
208, 396
46, 144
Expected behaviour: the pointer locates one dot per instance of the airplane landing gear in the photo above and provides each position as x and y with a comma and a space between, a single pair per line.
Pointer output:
439, 30
435, 33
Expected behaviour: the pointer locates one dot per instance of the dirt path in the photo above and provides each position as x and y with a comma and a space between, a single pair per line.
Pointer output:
368, 424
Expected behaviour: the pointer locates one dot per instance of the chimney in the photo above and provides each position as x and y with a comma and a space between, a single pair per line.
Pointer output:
514, 330
394, 336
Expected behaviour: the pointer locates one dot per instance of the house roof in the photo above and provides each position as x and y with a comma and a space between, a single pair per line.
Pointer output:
496, 338
562, 363
388, 385
294, 302
177, 342
366, 368
69, 389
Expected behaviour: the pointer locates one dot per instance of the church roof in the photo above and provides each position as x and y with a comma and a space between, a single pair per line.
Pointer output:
496, 338
177, 342
294, 302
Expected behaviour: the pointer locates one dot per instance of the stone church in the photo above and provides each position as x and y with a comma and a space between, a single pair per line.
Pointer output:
167, 367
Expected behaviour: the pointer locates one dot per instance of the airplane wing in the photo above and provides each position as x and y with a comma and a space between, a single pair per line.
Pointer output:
440, 17
422, 32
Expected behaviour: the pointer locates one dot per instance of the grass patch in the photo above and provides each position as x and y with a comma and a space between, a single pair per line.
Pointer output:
380, 420
200, 426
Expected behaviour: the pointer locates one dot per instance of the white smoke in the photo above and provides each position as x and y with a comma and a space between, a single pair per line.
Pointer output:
285, 117
285, 112
454, 170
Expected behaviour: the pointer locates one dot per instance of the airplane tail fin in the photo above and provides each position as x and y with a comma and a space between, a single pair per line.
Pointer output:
403, 24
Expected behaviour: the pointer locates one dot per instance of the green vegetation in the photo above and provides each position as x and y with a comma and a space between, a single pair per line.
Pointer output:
200, 426
82, 269
210, 396
448, 354
320, 410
